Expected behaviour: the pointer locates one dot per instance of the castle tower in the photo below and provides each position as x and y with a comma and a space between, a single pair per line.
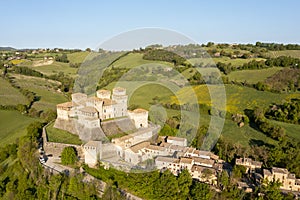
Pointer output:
103, 94
79, 98
140, 117
120, 97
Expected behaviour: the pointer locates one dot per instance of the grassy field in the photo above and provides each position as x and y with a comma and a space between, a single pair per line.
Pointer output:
12, 125
10, 95
235, 62
17, 62
292, 53
243, 135
143, 97
292, 130
78, 57
43, 88
135, 60
238, 98
55, 68
253, 76
144, 93
61, 136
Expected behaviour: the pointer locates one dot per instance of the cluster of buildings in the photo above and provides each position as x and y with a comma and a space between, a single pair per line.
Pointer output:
168, 152
288, 180
202, 165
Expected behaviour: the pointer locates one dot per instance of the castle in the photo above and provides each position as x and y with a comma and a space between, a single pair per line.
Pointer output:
88, 116
83, 115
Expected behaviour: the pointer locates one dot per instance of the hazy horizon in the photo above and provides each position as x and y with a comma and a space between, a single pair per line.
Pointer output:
72, 25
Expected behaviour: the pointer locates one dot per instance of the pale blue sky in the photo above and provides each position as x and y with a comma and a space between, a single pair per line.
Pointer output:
81, 24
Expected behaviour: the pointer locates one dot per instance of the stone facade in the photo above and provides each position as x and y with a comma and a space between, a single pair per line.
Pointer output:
139, 117
250, 164
288, 180
92, 152
201, 169
84, 115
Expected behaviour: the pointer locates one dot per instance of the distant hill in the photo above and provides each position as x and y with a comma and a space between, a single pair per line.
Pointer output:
7, 49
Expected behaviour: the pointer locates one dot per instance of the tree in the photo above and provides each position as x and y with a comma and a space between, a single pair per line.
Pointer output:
200, 191
21, 108
223, 180
112, 193
238, 171
167, 187
89, 49
69, 156
184, 182
272, 191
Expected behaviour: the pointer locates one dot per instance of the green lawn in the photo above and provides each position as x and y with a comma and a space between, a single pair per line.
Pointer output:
141, 93
12, 126
10, 95
55, 68
78, 57
235, 62
253, 76
43, 88
243, 135
136, 59
61, 136
292, 53
238, 98
292, 130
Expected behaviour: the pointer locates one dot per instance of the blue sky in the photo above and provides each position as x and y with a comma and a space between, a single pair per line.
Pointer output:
82, 24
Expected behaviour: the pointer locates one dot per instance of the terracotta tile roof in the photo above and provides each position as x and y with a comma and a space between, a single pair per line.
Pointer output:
178, 148
108, 102
139, 110
139, 146
186, 160
103, 91
119, 89
199, 160
177, 138
69, 104
93, 99
156, 148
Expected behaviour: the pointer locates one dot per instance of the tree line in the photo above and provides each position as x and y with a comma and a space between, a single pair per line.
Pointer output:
282, 61
287, 112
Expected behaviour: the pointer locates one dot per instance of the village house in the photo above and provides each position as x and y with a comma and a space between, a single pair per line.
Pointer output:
204, 174
202, 166
251, 165
288, 180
